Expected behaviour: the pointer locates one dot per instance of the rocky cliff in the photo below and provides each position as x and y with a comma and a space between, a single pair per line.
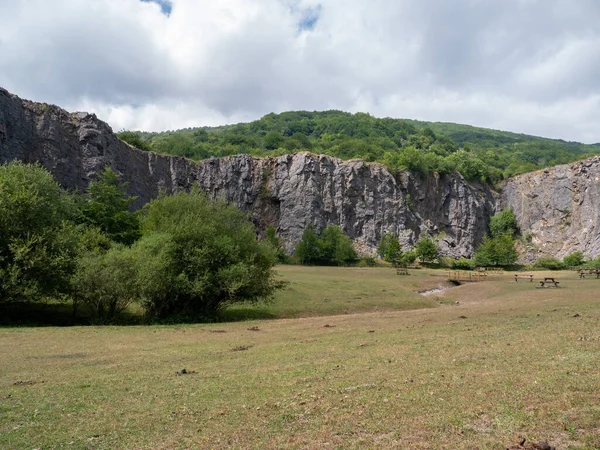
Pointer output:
558, 209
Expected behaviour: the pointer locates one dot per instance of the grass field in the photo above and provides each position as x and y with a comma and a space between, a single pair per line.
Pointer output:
508, 362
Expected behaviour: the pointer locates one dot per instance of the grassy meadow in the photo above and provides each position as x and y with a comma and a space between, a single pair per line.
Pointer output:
355, 359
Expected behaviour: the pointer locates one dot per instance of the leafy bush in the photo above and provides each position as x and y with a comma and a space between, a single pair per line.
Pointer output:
549, 263
463, 264
575, 259
331, 248
197, 255
273, 240
38, 243
134, 139
105, 282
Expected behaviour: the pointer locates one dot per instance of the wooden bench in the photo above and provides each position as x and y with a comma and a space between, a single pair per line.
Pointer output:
549, 280
529, 277
402, 271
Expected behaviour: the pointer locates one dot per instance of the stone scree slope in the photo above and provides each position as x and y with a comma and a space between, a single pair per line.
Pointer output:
292, 191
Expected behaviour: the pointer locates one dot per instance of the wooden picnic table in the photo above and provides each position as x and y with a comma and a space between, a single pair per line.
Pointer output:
549, 280
582, 273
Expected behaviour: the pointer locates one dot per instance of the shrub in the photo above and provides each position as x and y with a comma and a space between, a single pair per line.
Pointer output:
38, 243
331, 248
105, 281
505, 222
464, 264
575, 259
549, 263
197, 255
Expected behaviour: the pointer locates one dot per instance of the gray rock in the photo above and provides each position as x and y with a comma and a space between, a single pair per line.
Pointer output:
558, 208
289, 191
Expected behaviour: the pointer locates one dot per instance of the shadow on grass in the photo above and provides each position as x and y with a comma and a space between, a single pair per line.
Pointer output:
61, 315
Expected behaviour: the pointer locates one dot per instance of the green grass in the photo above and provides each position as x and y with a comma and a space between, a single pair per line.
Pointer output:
508, 361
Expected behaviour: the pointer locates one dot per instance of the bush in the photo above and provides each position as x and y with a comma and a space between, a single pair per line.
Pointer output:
273, 240
464, 264
105, 282
575, 259
134, 139
331, 248
38, 243
197, 256
549, 263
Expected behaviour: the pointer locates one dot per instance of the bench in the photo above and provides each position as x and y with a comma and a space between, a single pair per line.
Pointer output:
529, 277
549, 280
402, 271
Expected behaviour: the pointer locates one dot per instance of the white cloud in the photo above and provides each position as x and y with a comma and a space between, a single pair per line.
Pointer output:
522, 65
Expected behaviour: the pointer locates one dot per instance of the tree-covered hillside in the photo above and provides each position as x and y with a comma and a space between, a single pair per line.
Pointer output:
478, 153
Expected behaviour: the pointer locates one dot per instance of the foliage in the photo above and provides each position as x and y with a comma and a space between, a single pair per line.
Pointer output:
38, 244
273, 240
331, 248
426, 250
422, 147
497, 251
134, 139
107, 206
575, 259
464, 264
105, 281
549, 263
504, 222
197, 255
389, 249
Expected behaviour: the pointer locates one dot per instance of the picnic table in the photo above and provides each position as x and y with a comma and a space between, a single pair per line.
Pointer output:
402, 271
582, 273
530, 277
549, 280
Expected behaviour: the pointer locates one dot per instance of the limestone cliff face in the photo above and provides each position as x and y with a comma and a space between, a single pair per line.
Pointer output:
558, 208
289, 192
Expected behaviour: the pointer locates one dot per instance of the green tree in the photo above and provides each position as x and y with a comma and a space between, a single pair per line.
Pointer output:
498, 251
274, 241
336, 247
38, 242
389, 249
107, 206
504, 222
308, 250
426, 250
197, 256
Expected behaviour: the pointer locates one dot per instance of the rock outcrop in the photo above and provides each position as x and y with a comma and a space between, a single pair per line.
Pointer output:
558, 209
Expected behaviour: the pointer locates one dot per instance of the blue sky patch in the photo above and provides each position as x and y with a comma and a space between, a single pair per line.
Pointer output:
165, 5
309, 18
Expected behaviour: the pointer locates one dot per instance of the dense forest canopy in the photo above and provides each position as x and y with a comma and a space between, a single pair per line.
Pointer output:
425, 147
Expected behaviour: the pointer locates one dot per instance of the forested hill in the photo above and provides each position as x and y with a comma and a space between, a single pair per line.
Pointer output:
401, 144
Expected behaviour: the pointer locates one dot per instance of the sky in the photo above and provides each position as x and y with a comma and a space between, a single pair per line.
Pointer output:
529, 66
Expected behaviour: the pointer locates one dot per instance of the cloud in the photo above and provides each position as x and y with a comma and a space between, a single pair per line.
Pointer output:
521, 65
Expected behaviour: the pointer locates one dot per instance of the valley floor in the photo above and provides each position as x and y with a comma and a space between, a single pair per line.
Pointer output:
507, 362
